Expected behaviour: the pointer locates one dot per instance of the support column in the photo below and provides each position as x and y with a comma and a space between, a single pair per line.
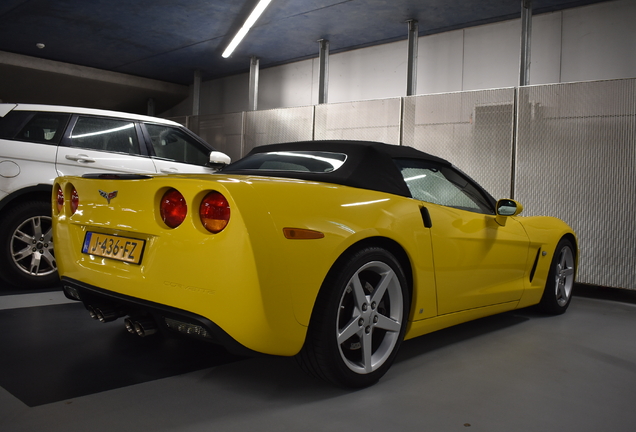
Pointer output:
526, 39
254, 70
196, 93
411, 71
151, 107
323, 74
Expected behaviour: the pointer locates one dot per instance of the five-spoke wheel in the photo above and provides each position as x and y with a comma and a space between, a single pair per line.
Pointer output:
558, 289
370, 317
359, 320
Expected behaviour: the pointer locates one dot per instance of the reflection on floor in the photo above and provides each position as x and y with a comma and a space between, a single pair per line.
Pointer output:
518, 371
59, 353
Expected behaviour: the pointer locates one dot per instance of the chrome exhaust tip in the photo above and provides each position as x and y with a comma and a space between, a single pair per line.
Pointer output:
103, 313
106, 314
130, 325
142, 327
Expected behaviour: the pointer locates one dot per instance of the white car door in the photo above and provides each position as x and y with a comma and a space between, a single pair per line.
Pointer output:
99, 144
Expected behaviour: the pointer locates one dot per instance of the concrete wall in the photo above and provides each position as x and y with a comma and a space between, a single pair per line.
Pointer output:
580, 44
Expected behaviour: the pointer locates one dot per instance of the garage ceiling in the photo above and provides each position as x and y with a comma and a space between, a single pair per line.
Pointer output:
167, 40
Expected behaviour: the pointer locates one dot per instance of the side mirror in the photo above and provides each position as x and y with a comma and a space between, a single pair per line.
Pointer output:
219, 160
508, 207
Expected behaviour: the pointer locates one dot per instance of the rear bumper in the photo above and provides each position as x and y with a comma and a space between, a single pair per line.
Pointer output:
166, 318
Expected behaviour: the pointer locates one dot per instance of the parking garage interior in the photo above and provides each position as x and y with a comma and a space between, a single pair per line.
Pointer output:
533, 99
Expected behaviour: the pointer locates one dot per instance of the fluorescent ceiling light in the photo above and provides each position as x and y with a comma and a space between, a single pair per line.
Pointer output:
258, 10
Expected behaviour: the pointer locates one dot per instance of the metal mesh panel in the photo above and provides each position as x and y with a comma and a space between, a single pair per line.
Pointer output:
375, 120
575, 160
473, 130
223, 131
278, 126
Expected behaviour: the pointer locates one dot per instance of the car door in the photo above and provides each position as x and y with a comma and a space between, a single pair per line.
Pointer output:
102, 144
477, 261
176, 151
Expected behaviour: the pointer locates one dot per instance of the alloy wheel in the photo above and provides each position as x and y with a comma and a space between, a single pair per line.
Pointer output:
32, 246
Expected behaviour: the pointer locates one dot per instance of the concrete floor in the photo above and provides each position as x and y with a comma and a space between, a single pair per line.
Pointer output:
517, 371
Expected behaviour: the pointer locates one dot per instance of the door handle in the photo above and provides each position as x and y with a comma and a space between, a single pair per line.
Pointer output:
82, 158
169, 170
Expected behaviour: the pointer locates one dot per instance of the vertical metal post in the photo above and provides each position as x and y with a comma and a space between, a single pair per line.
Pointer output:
254, 69
526, 39
411, 72
524, 80
323, 74
196, 93
313, 123
243, 132
513, 153
151, 107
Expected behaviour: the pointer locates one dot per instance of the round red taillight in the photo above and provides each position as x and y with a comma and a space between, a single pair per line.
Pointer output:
59, 200
214, 212
74, 201
173, 208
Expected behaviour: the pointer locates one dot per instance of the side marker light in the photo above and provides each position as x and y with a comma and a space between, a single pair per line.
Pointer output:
302, 234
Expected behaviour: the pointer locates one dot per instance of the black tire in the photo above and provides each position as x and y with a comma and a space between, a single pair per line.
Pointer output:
354, 334
26, 246
557, 294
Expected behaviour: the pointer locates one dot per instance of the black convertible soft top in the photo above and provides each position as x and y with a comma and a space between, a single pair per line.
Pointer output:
369, 165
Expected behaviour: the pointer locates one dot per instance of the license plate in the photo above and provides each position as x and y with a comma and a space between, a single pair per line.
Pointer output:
114, 247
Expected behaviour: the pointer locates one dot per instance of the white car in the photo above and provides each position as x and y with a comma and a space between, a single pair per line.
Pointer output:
41, 142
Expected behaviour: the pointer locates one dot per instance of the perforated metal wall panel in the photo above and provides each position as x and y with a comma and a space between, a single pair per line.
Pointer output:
576, 159
278, 126
223, 131
374, 120
473, 130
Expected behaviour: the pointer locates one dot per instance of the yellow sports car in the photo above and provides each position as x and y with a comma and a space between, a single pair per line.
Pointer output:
330, 251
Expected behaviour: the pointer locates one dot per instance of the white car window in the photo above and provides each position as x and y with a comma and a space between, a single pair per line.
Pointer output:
173, 144
103, 134
43, 128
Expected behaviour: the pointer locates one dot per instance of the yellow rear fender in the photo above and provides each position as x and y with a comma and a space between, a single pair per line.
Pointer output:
359, 217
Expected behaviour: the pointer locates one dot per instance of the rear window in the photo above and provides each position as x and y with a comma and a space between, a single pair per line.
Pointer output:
11, 124
296, 161
40, 127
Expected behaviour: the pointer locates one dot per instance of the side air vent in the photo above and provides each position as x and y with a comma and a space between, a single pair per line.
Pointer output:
426, 217
534, 266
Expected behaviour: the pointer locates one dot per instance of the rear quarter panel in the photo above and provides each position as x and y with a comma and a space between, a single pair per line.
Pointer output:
346, 216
